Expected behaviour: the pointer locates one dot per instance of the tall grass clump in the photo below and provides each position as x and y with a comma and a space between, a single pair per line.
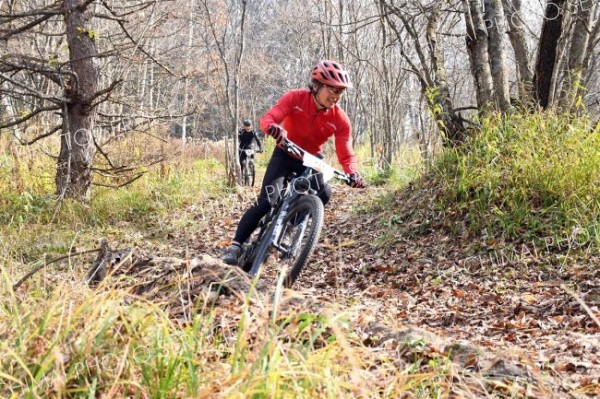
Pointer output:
68, 341
527, 176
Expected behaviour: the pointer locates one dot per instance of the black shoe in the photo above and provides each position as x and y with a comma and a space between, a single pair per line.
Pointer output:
231, 255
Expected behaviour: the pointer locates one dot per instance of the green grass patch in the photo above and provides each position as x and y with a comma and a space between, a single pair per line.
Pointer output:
35, 225
532, 177
154, 193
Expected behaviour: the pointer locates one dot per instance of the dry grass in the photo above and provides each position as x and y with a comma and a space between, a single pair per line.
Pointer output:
60, 338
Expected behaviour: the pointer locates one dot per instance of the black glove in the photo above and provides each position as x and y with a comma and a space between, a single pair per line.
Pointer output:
277, 132
356, 180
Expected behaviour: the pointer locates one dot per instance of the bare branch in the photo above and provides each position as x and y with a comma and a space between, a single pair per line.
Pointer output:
28, 26
29, 116
44, 264
103, 92
119, 185
42, 136
31, 92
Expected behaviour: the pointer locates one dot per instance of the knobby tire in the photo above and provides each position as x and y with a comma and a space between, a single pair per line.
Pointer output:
262, 252
252, 173
245, 172
309, 206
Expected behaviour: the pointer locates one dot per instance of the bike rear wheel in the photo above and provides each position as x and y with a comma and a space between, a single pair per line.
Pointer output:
250, 249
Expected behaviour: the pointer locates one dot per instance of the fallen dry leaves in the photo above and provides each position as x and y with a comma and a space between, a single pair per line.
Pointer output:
511, 316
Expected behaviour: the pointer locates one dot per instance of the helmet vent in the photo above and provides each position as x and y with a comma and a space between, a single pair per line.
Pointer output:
332, 74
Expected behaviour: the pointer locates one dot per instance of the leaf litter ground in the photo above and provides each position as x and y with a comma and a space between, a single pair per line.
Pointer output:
514, 320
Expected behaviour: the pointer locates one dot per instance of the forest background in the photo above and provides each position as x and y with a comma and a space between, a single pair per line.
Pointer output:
118, 119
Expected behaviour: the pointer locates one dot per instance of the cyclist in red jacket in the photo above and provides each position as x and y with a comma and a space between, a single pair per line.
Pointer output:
308, 118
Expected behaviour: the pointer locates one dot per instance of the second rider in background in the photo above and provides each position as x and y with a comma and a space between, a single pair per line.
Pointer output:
246, 135
308, 118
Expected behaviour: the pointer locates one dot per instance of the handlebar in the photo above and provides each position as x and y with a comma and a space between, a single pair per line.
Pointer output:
250, 149
298, 152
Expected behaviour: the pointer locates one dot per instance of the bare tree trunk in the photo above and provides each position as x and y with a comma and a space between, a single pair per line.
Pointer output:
239, 55
573, 85
231, 64
186, 79
593, 40
9, 108
449, 121
516, 34
477, 47
562, 46
340, 33
386, 134
74, 174
548, 52
494, 12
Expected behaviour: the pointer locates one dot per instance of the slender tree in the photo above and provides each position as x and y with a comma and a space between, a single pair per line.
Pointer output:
518, 40
477, 47
428, 64
496, 27
574, 80
227, 33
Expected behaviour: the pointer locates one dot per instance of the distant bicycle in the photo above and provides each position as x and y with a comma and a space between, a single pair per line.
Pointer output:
248, 167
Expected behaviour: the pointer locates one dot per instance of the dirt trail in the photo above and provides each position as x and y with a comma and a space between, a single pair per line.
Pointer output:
520, 313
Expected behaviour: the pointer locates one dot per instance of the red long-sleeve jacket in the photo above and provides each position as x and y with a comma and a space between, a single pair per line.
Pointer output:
310, 127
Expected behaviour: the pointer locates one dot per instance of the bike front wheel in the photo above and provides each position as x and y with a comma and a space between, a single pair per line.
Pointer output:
262, 252
251, 173
300, 236
244, 170
297, 240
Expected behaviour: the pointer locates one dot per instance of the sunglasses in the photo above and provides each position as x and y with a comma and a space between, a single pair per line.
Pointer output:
335, 90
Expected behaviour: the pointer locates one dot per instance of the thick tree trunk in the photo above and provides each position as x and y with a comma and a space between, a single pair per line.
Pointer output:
548, 52
516, 35
574, 84
477, 47
74, 175
494, 12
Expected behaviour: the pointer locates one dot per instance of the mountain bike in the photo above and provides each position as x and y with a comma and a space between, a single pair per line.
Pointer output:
247, 167
291, 230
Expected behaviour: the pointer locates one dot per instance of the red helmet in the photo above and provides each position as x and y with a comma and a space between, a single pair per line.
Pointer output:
331, 73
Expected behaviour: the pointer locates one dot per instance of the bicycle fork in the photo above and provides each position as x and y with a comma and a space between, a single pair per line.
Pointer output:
289, 249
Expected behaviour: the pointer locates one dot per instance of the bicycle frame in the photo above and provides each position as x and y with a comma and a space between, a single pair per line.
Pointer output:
248, 151
271, 226
291, 194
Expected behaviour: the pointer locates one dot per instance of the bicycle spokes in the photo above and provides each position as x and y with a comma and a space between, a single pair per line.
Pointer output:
291, 237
